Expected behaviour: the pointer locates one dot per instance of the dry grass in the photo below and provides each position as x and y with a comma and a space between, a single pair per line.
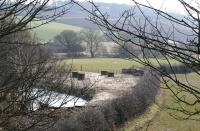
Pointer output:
108, 88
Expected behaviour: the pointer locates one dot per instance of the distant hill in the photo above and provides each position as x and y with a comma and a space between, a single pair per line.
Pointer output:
78, 19
76, 16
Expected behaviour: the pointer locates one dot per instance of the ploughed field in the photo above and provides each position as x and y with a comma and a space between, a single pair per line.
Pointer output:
106, 88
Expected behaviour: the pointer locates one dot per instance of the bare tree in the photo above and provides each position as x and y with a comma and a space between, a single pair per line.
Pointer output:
172, 37
29, 79
92, 38
26, 77
33, 85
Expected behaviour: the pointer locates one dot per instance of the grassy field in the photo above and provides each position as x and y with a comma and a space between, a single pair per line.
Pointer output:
49, 31
109, 64
98, 64
166, 122
163, 121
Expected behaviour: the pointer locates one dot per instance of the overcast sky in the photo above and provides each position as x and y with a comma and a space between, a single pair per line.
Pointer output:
168, 5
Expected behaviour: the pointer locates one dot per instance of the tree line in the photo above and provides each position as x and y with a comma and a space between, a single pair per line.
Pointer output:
88, 40
74, 43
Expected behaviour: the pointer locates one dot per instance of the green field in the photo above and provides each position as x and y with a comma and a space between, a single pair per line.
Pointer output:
166, 122
49, 31
109, 64
163, 121
98, 64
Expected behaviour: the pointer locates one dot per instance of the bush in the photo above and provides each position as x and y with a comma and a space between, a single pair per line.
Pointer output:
126, 107
89, 119
135, 102
109, 114
177, 69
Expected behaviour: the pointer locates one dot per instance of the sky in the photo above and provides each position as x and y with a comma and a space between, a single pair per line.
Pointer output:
166, 5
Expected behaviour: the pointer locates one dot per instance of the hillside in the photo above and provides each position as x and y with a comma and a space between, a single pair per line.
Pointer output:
48, 31
78, 17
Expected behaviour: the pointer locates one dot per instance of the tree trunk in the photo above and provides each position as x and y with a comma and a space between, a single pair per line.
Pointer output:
92, 54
